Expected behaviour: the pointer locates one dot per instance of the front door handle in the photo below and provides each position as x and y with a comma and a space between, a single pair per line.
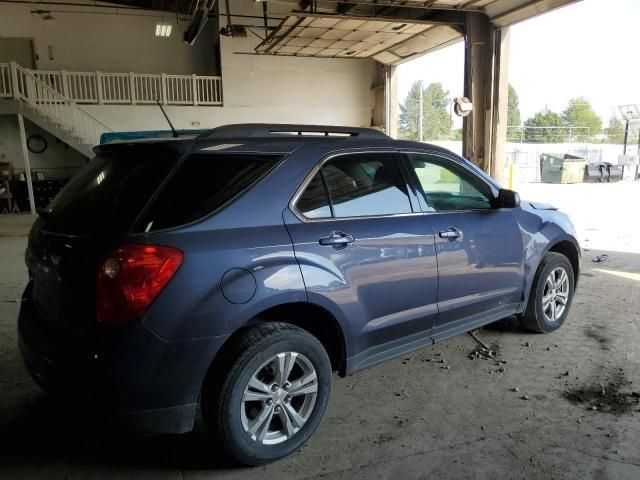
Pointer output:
451, 233
337, 239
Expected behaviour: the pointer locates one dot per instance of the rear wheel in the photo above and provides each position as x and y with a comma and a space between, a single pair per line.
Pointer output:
272, 397
551, 294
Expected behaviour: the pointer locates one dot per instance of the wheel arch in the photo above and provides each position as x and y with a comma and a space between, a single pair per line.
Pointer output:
569, 250
310, 317
566, 246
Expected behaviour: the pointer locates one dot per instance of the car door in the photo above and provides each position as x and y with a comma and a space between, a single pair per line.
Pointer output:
479, 248
365, 254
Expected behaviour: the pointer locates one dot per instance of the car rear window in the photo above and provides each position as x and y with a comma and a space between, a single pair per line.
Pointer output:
109, 193
202, 184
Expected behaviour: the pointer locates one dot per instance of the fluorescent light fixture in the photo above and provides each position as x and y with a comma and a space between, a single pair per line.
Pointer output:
163, 29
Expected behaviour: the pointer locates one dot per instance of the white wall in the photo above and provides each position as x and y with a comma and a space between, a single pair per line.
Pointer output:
266, 89
57, 161
81, 39
255, 88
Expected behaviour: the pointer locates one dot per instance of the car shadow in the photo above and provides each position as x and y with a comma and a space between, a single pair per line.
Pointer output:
45, 429
506, 325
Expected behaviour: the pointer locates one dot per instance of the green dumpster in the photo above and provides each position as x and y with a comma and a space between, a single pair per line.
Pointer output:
561, 168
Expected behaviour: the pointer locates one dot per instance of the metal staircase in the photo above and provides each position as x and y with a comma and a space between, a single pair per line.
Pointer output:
21, 92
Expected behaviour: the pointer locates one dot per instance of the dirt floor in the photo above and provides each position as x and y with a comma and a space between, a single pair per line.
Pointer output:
564, 405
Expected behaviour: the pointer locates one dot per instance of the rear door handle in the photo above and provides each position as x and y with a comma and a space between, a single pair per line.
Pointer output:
451, 233
337, 239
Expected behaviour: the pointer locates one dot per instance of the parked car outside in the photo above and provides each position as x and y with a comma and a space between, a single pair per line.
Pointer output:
236, 270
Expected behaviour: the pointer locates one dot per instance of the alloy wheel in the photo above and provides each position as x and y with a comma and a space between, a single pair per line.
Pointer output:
279, 398
556, 294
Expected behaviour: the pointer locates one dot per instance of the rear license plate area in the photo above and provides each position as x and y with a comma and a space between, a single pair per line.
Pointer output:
46, 291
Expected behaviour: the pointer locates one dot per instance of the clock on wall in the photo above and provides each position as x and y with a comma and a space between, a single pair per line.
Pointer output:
36, 144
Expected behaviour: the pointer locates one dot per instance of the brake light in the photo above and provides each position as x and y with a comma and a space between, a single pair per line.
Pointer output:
130, 278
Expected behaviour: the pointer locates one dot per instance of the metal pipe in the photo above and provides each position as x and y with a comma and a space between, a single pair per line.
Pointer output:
27, 164
264, 14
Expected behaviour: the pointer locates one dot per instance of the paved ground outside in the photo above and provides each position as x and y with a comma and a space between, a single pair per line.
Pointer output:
565, 405
605, 214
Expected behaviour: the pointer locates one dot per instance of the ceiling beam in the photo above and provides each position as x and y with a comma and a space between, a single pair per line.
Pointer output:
344, 7
468, 4
401, 15
428, 4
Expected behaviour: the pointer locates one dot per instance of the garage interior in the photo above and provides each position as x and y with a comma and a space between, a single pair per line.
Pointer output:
528, 412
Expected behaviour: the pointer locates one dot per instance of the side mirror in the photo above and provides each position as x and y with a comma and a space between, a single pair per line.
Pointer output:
506, 199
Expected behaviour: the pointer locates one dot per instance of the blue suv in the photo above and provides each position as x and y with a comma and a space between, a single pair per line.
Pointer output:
234, 271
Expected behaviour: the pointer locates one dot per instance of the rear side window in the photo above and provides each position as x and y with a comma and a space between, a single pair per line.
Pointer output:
202, 184
314, 202
108, 194
356, 185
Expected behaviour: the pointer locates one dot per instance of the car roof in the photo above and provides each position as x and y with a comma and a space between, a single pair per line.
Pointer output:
269, 138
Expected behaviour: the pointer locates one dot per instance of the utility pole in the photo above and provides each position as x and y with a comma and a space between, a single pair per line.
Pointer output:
420, 115
626, 137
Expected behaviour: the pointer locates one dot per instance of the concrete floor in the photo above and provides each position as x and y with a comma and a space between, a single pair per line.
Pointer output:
433, 414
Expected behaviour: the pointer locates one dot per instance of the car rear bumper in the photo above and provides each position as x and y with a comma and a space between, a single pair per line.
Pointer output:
141, 382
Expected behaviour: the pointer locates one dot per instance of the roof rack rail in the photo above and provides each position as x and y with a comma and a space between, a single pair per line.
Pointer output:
270, 130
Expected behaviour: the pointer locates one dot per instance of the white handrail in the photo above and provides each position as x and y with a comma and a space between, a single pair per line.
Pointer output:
129, 88
40, 96
5, 81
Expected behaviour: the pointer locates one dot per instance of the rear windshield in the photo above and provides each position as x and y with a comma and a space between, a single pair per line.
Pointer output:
202, 184
109, 193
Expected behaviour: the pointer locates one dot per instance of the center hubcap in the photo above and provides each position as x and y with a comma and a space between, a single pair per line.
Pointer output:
279, 395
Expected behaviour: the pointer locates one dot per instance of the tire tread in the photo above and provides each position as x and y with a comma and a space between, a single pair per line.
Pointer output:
224, 372
530, 318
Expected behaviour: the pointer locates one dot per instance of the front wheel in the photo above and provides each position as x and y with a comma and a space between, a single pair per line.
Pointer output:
273, 396
551, 294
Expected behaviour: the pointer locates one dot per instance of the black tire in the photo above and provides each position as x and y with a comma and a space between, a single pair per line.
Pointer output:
534, 317
224, 387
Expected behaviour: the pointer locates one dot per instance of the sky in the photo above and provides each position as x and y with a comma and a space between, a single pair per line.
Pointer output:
587, 49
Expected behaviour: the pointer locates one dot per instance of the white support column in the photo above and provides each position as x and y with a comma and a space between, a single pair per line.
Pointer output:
27, 163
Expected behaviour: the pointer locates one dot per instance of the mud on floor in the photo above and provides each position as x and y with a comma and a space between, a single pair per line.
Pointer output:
605, 396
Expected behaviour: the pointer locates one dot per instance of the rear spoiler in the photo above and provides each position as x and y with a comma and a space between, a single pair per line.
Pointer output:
115, 137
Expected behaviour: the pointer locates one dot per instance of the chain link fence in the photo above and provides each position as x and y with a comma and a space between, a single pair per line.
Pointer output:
525, 145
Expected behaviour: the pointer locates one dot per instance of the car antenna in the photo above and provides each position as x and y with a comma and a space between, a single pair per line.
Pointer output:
175, 134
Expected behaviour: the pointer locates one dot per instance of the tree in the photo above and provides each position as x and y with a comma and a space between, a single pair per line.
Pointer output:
545, 127
513, 116
579, 113
615, 130
435, 111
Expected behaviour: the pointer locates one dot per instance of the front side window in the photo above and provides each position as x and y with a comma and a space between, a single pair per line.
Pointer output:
446, 187
358, 185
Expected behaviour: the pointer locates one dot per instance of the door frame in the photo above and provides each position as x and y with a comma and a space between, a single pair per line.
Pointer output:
416, 207
450, 158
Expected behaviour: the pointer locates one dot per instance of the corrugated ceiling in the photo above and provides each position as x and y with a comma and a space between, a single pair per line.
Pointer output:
386, 41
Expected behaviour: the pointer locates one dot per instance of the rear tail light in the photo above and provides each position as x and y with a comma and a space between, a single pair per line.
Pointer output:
130, 278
